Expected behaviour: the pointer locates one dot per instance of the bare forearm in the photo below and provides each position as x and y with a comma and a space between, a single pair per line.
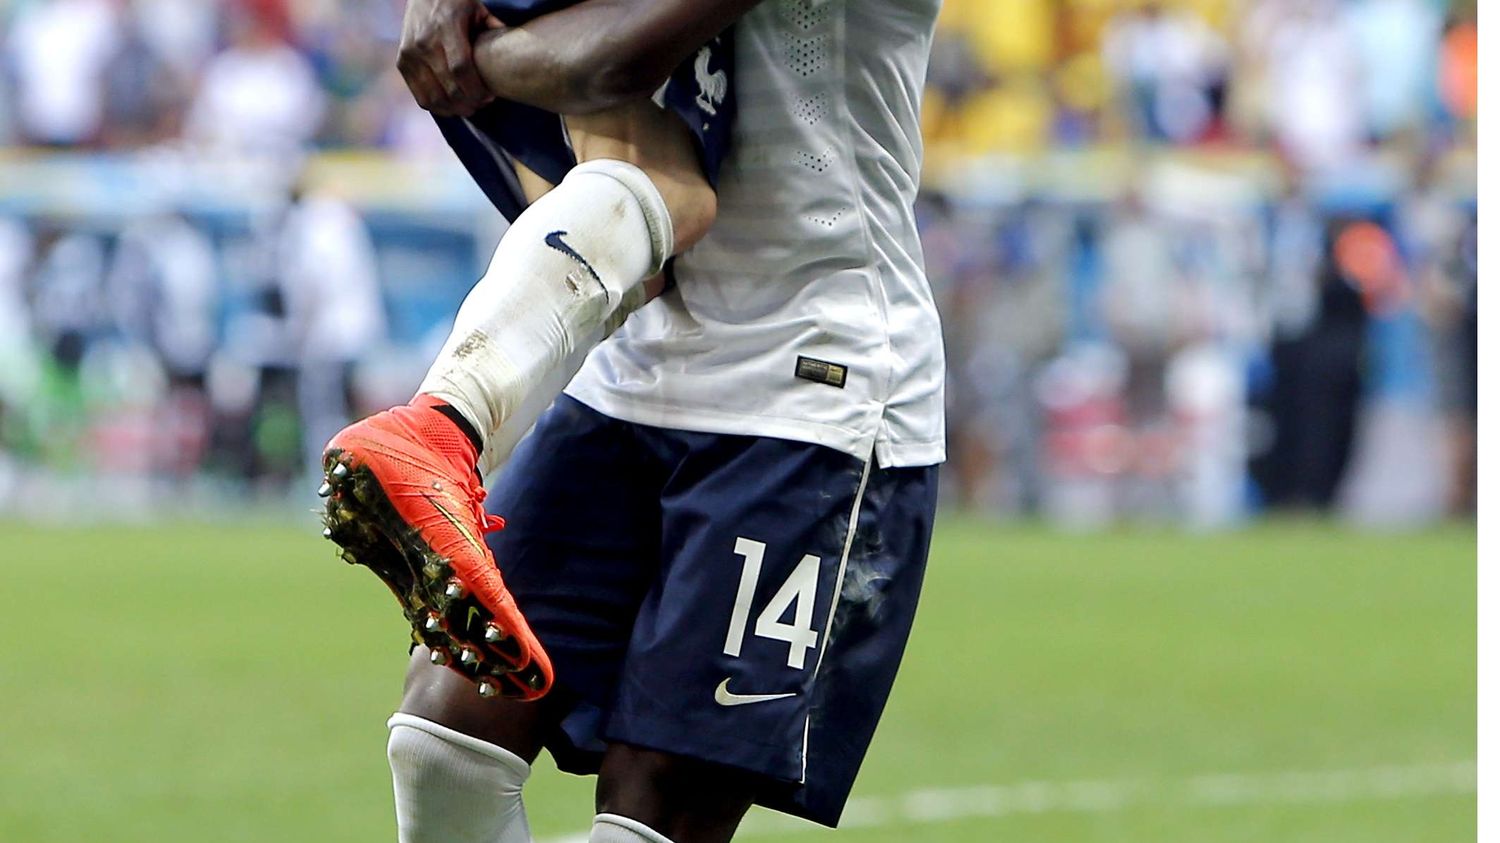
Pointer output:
599, 53
526, 66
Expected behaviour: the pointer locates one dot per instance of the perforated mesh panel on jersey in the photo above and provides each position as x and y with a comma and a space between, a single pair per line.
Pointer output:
811, 110
806, 52
806, 44
817, 163
805, 15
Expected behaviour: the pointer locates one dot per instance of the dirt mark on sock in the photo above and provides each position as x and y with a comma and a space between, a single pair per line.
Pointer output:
475, 341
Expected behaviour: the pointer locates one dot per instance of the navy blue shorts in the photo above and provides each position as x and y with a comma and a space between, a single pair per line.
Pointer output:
488, 143
737, 599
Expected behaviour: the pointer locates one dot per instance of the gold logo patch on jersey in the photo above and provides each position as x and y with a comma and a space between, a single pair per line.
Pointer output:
822, 371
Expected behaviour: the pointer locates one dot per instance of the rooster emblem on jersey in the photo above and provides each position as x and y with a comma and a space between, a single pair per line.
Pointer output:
712, 86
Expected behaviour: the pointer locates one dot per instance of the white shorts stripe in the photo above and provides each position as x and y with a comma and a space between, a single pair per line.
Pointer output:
833, 608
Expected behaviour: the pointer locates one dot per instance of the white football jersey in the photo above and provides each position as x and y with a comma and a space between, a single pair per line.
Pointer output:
805, 314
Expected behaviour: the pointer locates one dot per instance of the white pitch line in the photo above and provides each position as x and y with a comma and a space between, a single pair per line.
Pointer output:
940, 805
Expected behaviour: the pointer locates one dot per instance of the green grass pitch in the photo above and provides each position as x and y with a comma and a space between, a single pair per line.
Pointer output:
191, 683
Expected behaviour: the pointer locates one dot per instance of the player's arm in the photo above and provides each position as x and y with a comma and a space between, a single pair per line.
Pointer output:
436, 58
599, 53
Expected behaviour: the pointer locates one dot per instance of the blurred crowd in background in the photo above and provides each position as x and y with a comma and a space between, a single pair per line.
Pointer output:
1198, 260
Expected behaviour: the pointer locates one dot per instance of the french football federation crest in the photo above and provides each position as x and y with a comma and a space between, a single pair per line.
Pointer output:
713, 86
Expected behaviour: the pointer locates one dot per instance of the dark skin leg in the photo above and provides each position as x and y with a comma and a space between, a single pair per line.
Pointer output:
687, 800
684, 799
442, 696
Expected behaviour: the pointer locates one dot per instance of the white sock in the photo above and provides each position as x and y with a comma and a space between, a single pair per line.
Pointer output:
613, 828
453, 788
565, 274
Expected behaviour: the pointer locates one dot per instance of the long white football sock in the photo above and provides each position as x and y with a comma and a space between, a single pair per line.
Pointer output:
613, 828
453, 788
499, 443
567, 272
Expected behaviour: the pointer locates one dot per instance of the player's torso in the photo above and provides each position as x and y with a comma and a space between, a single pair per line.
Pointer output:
805, 313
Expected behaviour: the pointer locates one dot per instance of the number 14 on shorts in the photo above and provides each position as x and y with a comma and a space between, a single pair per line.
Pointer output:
798, 593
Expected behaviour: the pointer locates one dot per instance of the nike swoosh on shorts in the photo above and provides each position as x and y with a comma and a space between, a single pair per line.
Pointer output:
723, 696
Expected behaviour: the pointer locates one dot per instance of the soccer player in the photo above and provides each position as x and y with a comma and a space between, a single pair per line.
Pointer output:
719, 531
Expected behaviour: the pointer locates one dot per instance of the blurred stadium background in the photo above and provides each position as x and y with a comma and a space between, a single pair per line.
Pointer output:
1208, 270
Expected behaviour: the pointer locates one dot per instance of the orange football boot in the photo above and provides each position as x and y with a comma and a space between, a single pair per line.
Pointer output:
406, 501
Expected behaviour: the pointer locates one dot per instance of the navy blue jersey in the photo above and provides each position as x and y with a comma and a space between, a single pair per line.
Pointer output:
517, 12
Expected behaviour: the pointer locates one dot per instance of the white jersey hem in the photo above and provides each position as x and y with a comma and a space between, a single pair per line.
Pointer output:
910, 454
704, 420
